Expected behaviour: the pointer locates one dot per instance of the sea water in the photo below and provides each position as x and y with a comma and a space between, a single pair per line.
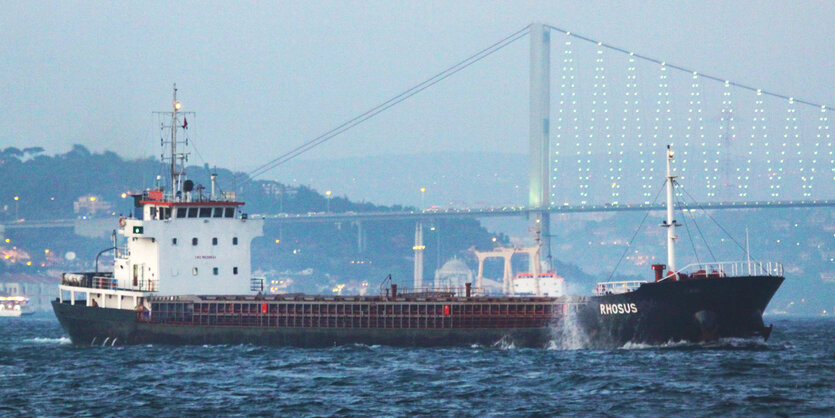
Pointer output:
793, 373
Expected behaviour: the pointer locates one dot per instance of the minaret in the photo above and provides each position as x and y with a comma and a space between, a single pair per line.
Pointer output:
419, 247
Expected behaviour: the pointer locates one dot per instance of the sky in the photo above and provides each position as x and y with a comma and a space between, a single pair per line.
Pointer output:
265, 77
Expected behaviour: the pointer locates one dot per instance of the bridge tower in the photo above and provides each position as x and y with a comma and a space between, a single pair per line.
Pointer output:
540, 109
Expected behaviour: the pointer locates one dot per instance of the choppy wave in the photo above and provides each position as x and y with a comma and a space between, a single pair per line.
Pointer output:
505, 344
42, 340
567, 334
792, 374
668, 344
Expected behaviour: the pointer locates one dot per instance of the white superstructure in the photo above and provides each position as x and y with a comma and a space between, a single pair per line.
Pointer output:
177, 242
187, 247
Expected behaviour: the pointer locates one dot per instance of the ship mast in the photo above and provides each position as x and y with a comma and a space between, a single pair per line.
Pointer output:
175, 173
670, 223
170, 123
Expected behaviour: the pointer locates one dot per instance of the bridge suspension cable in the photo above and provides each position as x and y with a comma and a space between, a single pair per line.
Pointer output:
370, 113
680, 68
737, 142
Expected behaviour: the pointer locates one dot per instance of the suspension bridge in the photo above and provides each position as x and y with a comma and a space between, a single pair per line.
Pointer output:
601, 116
738, 145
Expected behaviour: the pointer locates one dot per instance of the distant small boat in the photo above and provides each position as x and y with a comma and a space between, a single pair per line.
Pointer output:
15, 306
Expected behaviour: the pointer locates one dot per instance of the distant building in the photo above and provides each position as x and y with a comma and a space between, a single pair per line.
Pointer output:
39, 289
91, 205
453, 274
276, 190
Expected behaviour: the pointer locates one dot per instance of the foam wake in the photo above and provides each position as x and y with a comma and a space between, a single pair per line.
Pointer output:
39, 340
567, 334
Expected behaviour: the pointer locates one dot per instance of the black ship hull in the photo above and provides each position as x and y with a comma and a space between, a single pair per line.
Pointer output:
656, 313
690, 310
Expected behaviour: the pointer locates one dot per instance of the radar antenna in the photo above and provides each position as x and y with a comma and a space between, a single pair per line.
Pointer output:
176, 159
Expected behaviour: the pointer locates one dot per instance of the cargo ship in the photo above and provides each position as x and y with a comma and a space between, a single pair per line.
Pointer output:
182, 275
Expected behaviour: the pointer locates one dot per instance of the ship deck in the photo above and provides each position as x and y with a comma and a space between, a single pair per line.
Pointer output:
358, 311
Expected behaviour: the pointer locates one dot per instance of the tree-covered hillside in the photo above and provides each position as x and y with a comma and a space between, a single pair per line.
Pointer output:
38, 187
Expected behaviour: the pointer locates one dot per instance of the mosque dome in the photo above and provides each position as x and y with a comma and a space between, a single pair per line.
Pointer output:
454, 274
454, 266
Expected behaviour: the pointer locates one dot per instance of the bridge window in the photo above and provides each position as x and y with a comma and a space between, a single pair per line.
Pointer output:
173, 241
205, 212
181, 212
234, 270
194, 271
230, 212
218, 213
214, 271
166, 213
194, 241
192, 212
214, 241
153, 212
234, 240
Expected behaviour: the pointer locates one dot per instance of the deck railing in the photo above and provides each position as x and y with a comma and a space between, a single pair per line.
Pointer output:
732, 269
104, 280
700, 271
435, 292
615, 288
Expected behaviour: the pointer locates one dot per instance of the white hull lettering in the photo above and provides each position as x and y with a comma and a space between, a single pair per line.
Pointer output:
618, 308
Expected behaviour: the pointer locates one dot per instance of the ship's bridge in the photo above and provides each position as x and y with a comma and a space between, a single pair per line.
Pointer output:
153, 205
191, 246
